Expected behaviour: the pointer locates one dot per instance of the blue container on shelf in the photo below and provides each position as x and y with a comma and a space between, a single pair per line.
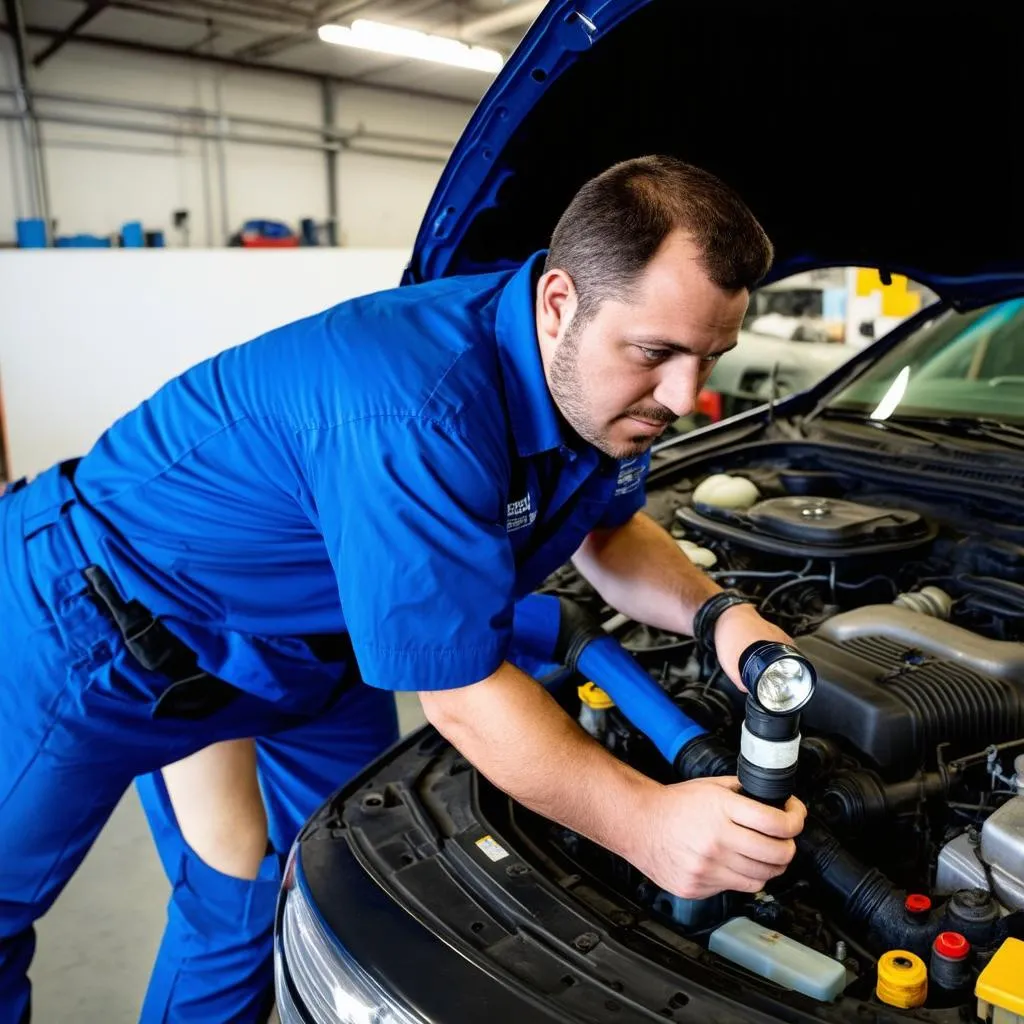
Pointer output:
31, 233
82, 242
268, 228
132, 235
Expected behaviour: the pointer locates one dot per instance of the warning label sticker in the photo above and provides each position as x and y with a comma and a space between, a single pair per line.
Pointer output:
492, 848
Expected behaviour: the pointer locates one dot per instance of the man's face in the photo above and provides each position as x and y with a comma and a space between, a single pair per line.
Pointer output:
620, 378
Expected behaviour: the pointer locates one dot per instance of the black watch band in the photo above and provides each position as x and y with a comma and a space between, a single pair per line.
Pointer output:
708, 614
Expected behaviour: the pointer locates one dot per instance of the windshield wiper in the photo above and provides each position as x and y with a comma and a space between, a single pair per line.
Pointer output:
889, 426
993, 430
923, 428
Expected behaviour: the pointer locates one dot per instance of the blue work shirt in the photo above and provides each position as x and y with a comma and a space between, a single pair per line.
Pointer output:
394, 468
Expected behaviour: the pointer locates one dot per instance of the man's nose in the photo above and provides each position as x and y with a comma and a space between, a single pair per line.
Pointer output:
676, 390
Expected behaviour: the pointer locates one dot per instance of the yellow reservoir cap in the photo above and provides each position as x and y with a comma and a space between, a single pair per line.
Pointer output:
1001, 984
902, 979
594, 697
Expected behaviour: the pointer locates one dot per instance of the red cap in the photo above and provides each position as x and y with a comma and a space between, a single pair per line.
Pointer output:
952, 945
917, 903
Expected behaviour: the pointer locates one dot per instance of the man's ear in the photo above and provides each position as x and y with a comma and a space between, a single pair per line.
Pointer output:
556, 305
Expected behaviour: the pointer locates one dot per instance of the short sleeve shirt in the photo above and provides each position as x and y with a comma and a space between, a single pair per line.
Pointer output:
393, 469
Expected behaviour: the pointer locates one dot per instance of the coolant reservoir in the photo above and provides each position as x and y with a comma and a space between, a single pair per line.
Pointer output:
1000, 988
725, 491
778, 958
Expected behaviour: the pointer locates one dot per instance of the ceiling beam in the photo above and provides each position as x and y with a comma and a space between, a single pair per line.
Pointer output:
263, 48
269, 15
244, 65
488, 25
195, 14
59, 41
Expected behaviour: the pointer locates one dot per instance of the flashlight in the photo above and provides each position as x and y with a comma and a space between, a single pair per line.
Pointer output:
779, 681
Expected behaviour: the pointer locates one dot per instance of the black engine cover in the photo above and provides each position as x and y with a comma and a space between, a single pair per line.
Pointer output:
895, 704
834, 521
826, 527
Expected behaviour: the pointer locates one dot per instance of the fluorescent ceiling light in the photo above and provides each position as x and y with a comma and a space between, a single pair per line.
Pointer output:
407, 42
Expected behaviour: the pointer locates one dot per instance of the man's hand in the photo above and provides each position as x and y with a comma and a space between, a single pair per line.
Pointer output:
693, 838
704, 837
737, 628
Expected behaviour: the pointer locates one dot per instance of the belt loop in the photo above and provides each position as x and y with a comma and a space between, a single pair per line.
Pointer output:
48, 497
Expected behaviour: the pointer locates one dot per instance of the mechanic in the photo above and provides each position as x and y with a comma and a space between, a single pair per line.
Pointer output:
360, 498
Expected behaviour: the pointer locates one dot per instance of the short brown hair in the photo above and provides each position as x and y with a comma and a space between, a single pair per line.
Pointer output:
618, 220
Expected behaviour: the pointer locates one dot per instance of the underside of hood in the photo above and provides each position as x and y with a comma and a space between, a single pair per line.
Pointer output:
877, 135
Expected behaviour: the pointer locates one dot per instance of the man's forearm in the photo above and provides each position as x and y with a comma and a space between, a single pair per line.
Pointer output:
640, 571
692, 838
512, 730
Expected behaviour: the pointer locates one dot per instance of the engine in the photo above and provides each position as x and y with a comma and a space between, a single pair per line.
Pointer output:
897, 684
912, 751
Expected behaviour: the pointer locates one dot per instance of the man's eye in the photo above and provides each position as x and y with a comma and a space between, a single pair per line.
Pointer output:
711, 359
653, 355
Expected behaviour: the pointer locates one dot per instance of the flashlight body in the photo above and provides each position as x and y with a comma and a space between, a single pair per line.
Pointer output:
769, 754
770, 738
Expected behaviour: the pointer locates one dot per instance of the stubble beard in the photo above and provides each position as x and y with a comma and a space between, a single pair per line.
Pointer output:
569, 394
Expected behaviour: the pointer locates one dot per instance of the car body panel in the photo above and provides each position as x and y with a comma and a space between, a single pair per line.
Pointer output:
596, 81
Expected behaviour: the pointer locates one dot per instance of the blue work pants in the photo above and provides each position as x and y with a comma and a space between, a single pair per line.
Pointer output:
77, 727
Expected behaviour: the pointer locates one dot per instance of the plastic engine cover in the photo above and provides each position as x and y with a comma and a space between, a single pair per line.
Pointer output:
895, 684
834, 521
829, 527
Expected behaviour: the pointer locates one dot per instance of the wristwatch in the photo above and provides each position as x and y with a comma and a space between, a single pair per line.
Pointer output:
708, 614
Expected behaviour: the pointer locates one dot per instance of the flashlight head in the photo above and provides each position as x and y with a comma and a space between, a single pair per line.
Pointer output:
778, 676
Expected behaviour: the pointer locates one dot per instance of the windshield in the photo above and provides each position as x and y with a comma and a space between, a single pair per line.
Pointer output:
957, 365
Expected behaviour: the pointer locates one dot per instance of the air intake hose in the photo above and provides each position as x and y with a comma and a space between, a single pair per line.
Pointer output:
868, 899
555, 629
861, 799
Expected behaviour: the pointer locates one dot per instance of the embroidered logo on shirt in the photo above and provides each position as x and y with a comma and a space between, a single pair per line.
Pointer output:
520, 514
631, 476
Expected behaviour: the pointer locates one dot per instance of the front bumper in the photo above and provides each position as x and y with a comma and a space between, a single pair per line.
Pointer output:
359, 957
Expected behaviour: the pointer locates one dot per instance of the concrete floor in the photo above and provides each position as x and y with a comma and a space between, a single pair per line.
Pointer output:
97, 944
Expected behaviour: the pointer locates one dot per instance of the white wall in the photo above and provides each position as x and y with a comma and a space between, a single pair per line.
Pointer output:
85, 336
100, 178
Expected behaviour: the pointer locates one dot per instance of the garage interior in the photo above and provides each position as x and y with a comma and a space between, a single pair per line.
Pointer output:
191, 118
179, 176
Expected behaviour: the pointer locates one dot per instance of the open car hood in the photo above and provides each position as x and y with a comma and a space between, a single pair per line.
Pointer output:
871, 135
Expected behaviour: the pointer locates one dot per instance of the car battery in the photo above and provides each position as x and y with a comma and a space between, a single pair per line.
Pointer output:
1000, 987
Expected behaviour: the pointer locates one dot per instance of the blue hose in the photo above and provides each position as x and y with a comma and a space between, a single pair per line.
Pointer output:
544, 629
608, 664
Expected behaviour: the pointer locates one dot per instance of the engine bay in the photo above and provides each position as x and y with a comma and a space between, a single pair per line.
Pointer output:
909, 602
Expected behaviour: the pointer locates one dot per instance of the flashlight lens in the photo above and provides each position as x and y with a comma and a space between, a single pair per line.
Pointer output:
784, 685
788, 668
778, 676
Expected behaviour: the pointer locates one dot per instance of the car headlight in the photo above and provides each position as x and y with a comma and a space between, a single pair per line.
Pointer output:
328, 981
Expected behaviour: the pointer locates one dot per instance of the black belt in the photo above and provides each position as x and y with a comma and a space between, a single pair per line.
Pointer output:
192, 692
